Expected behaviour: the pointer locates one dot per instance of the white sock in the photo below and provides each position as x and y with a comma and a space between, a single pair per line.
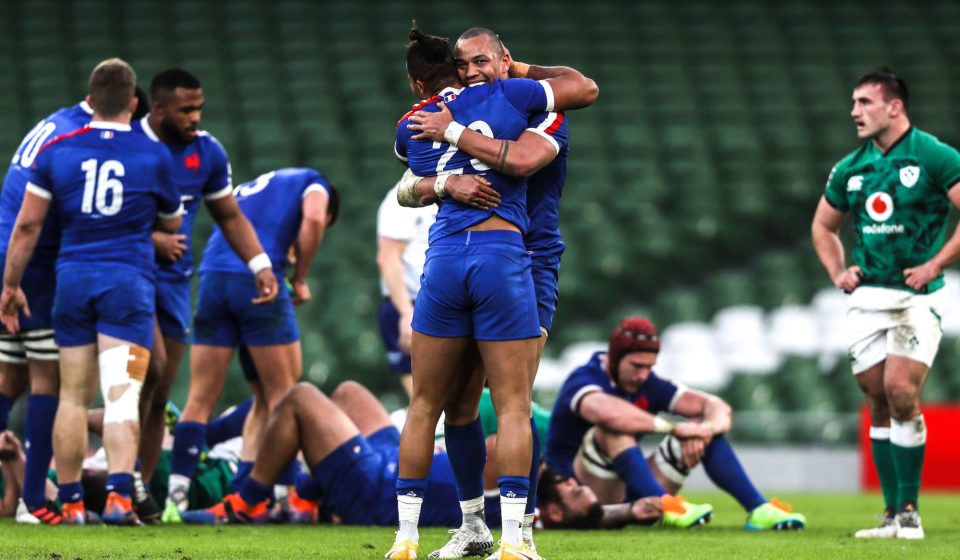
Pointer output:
511, 513
473, 513
408, 508
178, 483
528, 528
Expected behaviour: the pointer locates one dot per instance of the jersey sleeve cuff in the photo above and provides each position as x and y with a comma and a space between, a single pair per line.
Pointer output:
314, 188
397, 153
39, 191
578, 396
217, 195
549, 138
681, 389
171, 215
548, 89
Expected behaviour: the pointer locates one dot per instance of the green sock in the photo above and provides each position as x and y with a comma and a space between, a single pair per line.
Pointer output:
883, 460
908, 462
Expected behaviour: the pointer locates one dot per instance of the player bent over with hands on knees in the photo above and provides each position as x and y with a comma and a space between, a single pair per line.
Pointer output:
606, 405
898, 188
494, 304
110, 187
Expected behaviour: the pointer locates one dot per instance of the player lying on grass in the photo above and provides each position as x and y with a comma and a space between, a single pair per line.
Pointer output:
605, 406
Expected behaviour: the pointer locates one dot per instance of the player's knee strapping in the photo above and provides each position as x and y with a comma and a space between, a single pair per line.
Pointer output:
669, 459
40, 345
594, 460
122, 371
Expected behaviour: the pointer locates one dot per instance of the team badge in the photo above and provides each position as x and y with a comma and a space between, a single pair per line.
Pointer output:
909, 175
880, 206
855, 183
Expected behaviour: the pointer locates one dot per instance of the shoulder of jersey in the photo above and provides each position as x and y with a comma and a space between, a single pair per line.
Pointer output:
417, 107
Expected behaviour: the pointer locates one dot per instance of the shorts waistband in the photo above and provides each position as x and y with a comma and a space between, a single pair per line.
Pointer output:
478, 237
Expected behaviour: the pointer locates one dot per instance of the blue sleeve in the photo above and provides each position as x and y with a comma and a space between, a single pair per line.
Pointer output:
528, 96
403, 138
39, 174
220, 171
660, 393
168, 194
576, 386
314, 179
552, 126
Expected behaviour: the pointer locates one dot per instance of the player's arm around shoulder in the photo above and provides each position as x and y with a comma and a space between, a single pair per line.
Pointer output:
570, 89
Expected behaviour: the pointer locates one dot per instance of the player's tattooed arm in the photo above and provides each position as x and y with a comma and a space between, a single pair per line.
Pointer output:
519, 158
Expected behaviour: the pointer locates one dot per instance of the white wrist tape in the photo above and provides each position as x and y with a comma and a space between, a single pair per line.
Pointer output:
440, 186
662, 426
407, 190
453, 132
258, 263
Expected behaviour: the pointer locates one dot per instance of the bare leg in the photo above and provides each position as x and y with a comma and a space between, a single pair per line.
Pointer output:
903, 381
279, 368
208, 374
121, 439
153, 421
13, 379
872, 385
78, 381
363, 409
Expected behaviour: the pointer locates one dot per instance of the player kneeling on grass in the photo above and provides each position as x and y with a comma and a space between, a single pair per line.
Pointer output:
605, 406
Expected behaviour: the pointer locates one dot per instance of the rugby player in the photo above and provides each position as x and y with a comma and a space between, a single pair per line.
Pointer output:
202, 172
492, 299
108, 186
898, 187
606, 405
287, 207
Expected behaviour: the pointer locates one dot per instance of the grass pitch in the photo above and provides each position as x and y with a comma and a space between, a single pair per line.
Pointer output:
832, 520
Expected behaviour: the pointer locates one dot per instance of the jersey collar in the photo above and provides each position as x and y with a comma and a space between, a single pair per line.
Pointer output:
145, 125
86, 107
898, 140
110, 126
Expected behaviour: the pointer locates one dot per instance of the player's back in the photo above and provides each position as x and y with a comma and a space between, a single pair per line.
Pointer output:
499, 110
108, 185
63, 121
273, 204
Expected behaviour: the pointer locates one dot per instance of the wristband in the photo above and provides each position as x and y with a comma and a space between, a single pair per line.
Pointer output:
662, 426
519, 69
452, 134
258, 263
439, 187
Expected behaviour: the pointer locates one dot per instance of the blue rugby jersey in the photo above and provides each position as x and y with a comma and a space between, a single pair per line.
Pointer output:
545, 187
107, 186
567, 427
201, 170
273, 204
63, 121
501, 109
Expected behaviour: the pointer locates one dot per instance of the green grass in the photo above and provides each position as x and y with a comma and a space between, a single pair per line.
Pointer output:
832, 519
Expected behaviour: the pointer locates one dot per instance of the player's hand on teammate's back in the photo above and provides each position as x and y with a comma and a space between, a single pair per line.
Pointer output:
919, 276
169, 246
472, 190
431, 126
267, 286
849, 279
301, 291
13, 300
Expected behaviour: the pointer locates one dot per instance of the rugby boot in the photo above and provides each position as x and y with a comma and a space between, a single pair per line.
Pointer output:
73, 513
402, 550
466, 541
47, 514
678, 512
301, 511
175, 505
886, 530
909, 525
147, 509
232, 510
510, 552
775, 515
119, 511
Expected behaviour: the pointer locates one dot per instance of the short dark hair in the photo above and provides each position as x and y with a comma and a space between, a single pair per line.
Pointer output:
893, 85
170, 79
112, 85
547, 493
143, 104
430, 60
484, 32
333, 203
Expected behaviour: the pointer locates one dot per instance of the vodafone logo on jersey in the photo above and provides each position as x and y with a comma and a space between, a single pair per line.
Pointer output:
880, 206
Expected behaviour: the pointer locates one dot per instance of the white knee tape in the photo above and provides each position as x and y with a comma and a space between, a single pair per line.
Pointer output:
114, 377
669, 458
594, 460
908, 433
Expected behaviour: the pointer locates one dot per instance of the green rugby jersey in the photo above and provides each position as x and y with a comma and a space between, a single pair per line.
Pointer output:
899, 204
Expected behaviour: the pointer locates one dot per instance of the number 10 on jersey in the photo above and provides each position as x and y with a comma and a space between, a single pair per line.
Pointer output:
100, 184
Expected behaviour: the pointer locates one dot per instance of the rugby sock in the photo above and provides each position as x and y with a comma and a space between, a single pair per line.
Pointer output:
534, 470
289, 475
229, 425
513, 501
70, 492
908, 439
6, 403
725, 471
38, 439
883, 460
410, 492
242, 474
632, 469
528, 524
467, 452
307, 488
188, 438
121, 483
253, 492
